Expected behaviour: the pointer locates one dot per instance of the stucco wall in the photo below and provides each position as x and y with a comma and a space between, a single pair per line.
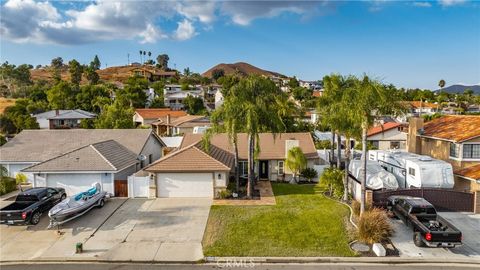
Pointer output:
153, 147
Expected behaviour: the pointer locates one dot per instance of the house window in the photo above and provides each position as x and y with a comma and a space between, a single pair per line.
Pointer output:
219, 176
150, 159
375, 144
243, 167
471, 151
394, 145
411, 171
281, 167
454, 150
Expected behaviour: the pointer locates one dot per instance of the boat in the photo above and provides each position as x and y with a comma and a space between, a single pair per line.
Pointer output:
77, 205
377, 177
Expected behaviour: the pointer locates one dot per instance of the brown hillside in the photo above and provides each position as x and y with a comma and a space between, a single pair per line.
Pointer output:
240, 68
6, 102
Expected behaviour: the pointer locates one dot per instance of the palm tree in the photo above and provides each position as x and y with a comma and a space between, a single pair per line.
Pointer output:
441, 83
371, 99
149, 55
296, 161
141, 53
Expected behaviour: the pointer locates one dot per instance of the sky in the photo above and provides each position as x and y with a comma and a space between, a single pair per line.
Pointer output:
407, 43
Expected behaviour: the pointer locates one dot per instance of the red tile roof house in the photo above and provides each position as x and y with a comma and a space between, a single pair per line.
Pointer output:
146, 117
193, 171
387, 136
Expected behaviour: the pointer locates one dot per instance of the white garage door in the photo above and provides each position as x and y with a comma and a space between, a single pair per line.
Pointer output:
73, 183
185, 185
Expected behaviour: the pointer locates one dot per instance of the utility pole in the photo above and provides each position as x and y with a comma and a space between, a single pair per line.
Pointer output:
128, 59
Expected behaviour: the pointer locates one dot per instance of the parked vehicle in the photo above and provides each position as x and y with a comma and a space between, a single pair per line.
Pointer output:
77, 205
30, 205
412, 170
377, 177
429, 228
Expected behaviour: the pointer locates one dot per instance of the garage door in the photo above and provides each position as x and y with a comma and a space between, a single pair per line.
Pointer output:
185, 185
73, 183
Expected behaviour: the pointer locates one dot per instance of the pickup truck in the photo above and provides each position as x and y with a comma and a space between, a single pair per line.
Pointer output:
429, 228
30, 205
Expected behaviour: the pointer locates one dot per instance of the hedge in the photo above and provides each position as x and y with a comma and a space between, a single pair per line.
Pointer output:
7, 184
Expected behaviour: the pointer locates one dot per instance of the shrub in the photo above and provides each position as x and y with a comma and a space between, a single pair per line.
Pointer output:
7, 184
223, 194
356, 207
20, 178
309, 173
374, 226
332, 181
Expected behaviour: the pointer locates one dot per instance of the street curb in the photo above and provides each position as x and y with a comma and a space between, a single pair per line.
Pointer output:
268, 260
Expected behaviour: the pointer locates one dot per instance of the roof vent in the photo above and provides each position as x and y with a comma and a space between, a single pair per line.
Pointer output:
425, 158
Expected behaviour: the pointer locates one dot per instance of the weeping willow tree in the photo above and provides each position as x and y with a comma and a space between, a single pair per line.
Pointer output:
295, 161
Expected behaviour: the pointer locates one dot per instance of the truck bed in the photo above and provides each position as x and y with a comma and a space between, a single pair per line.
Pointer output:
17, 206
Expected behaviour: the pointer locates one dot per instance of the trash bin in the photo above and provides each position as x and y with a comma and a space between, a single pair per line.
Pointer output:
79, 248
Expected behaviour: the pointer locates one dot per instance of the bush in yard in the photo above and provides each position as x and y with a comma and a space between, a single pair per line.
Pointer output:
7, 184
309, 174
356, 207
223, 194
374, 226
331, 180
20, 178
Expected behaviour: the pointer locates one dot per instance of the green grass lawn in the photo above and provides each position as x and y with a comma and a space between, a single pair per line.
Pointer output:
302, 223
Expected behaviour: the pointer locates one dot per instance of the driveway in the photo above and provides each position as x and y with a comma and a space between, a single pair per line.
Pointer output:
163, 229
467, 223
36, 242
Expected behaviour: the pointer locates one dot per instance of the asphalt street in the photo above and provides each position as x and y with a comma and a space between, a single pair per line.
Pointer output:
238, 265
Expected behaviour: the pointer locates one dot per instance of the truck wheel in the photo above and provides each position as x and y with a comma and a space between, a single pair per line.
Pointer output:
101, 203
417, 239
35, 218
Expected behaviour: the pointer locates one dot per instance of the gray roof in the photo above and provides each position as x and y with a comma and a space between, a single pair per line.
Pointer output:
65, 114
41, 145
103, 156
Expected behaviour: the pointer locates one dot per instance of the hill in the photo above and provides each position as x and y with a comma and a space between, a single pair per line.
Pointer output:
5, 102
458, 88
242, 68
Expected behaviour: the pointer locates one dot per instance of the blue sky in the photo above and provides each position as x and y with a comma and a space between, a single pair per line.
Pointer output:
409, 44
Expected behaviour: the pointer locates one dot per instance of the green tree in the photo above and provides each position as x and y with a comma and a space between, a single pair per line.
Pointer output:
92, 75
76, 71
295, 161
218, 73
331, 179
61, 96
302, 93
56, 68
92, 98
162, 61
293, 82
17, 117
194, 105
134, 92
187, 72
96, 63
441, 83
115, 116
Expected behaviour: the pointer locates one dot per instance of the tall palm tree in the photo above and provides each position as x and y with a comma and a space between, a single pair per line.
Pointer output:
141, 53
441, 83
371, 99
149, 55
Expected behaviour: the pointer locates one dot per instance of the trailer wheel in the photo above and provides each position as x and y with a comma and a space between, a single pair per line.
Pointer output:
35, 219
101, 203
417, 239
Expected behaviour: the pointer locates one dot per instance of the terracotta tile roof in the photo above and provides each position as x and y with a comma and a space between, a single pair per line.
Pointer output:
472, 172
159, 113
189, 159
421, 104
317, 93
386, 126
270, 148
457, 128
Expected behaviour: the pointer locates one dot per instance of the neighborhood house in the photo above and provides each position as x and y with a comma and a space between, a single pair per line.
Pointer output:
145, 117
387, 136
62, 119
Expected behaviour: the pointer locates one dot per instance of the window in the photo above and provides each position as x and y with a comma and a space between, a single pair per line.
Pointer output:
243, 167
411, 171
454, 150
281, 167
375, 144
394, 145
219, 176
150, 159
471, 151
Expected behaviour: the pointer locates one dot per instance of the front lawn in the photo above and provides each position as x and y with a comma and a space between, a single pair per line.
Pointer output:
302, 223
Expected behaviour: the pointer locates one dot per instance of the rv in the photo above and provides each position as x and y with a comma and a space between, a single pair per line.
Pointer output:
414, 171
377, 177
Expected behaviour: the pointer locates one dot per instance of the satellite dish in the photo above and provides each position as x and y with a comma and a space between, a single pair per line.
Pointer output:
142, 157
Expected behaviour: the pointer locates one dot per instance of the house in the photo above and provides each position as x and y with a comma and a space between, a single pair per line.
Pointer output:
76, 159
64, 119
174, 96
145, 117
192, 171
182, 125
153, 74
218, 99
418, 108
389, 135
452, 138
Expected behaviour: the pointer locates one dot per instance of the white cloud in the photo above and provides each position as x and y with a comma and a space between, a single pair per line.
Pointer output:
185, 30
447, 3
422, 4
204, 11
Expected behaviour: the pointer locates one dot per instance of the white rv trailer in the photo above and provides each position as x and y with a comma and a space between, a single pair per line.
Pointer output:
377, 177
412, 170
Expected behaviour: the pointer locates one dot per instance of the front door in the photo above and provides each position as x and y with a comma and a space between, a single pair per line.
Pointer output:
121, 188
263, 170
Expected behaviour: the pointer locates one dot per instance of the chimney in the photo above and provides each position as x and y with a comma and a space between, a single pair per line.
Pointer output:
57, 112
415, 127
168, 124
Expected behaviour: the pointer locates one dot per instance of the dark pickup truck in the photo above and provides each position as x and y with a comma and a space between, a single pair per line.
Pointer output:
30, 204
429, 228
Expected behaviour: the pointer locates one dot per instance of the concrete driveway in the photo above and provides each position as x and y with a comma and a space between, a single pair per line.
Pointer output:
36, 242
467, 223
163, 229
